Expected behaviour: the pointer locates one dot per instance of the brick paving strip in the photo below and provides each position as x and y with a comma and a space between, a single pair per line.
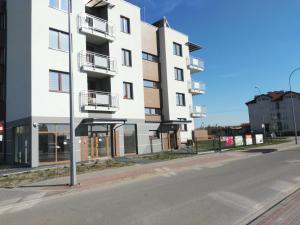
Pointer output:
286, 212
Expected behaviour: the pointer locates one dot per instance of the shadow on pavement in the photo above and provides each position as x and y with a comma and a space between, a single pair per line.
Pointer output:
263, 151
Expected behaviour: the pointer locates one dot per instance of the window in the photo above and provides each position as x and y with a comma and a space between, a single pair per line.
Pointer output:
183, 127
2, 56
58, 81
127, 90
150, 84
126, 57
125, 25
177, 49
58, 40
178, 74
180, 99
59, 4
150, 57
152, 111
2, 21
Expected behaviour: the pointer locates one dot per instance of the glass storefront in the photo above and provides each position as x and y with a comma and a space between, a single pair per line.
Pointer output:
130, 139
22, 145
54, 140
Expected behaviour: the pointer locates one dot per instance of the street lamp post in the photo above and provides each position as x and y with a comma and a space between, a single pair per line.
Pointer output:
293, 107
73, 178
263, 116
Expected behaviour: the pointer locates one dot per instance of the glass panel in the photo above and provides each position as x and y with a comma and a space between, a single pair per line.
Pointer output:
53, 39
53, 81
130, 143
47, 147
65, 87
148, 83
21, 145
46, 127
64, 5
54, 3
63, 150
64, 41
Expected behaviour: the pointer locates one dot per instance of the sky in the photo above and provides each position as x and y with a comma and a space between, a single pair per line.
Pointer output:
246, 43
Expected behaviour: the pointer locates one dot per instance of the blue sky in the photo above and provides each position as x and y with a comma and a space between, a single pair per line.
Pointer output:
246, 43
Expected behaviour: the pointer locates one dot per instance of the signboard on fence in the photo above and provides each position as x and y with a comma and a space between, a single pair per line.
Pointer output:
1, 138
249, 140
259, 138
229, 141
239, 141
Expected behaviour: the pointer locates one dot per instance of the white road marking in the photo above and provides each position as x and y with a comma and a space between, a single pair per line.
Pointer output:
165, 172
281, 186
236, 201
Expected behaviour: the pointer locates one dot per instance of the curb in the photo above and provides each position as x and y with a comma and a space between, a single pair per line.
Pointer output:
247, 220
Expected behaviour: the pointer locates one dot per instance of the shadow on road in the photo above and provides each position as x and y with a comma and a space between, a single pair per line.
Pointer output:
263, 151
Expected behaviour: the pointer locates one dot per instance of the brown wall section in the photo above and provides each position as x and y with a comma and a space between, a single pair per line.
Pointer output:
153, 118
149, 39
151, 70
152, 97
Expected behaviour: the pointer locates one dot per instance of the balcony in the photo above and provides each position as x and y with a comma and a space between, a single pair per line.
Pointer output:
97, 64
99, 101
195, 64
198, 111
96, 27
196, 88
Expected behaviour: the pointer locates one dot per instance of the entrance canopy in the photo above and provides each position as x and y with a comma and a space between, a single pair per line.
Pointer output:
103, 121
175, 122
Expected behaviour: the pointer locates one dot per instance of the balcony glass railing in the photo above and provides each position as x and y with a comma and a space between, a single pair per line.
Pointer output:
96, 24
94, 60
99, 99
198, 111
195, 63
196, 87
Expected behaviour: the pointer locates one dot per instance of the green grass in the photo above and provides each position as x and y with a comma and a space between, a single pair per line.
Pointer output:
214, 144
41, 175
166, 156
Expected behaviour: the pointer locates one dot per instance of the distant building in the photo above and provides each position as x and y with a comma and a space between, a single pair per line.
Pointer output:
274, 111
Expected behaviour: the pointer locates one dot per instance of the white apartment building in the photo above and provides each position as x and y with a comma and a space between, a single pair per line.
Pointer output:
133, 83
274, 110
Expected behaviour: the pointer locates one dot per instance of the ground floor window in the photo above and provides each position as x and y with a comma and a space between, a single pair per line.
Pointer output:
130, 139
54, 140
21, 145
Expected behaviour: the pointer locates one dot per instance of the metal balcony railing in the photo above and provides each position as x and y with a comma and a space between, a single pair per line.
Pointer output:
195, 63
196, 87
100, 100
198, 111
94, 60
93, 23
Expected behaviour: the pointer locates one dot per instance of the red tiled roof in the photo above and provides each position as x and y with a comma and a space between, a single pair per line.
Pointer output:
274, 95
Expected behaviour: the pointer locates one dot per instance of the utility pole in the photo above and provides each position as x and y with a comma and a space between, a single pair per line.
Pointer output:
73, 178
293, 106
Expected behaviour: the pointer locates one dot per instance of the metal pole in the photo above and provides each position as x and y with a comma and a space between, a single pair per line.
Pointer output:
73, 178
293, 107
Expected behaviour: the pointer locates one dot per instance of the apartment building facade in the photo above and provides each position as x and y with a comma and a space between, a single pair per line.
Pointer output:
274, 110
132, 82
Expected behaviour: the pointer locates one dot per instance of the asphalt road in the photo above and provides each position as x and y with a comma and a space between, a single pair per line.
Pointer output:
222, 194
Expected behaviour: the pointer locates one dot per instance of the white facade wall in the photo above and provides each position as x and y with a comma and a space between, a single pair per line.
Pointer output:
170, 86
130, 109
44, 102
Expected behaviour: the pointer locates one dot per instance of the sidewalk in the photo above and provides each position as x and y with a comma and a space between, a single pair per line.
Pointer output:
286, 212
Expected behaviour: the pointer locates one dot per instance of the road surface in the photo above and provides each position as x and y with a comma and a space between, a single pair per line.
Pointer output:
211, 195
